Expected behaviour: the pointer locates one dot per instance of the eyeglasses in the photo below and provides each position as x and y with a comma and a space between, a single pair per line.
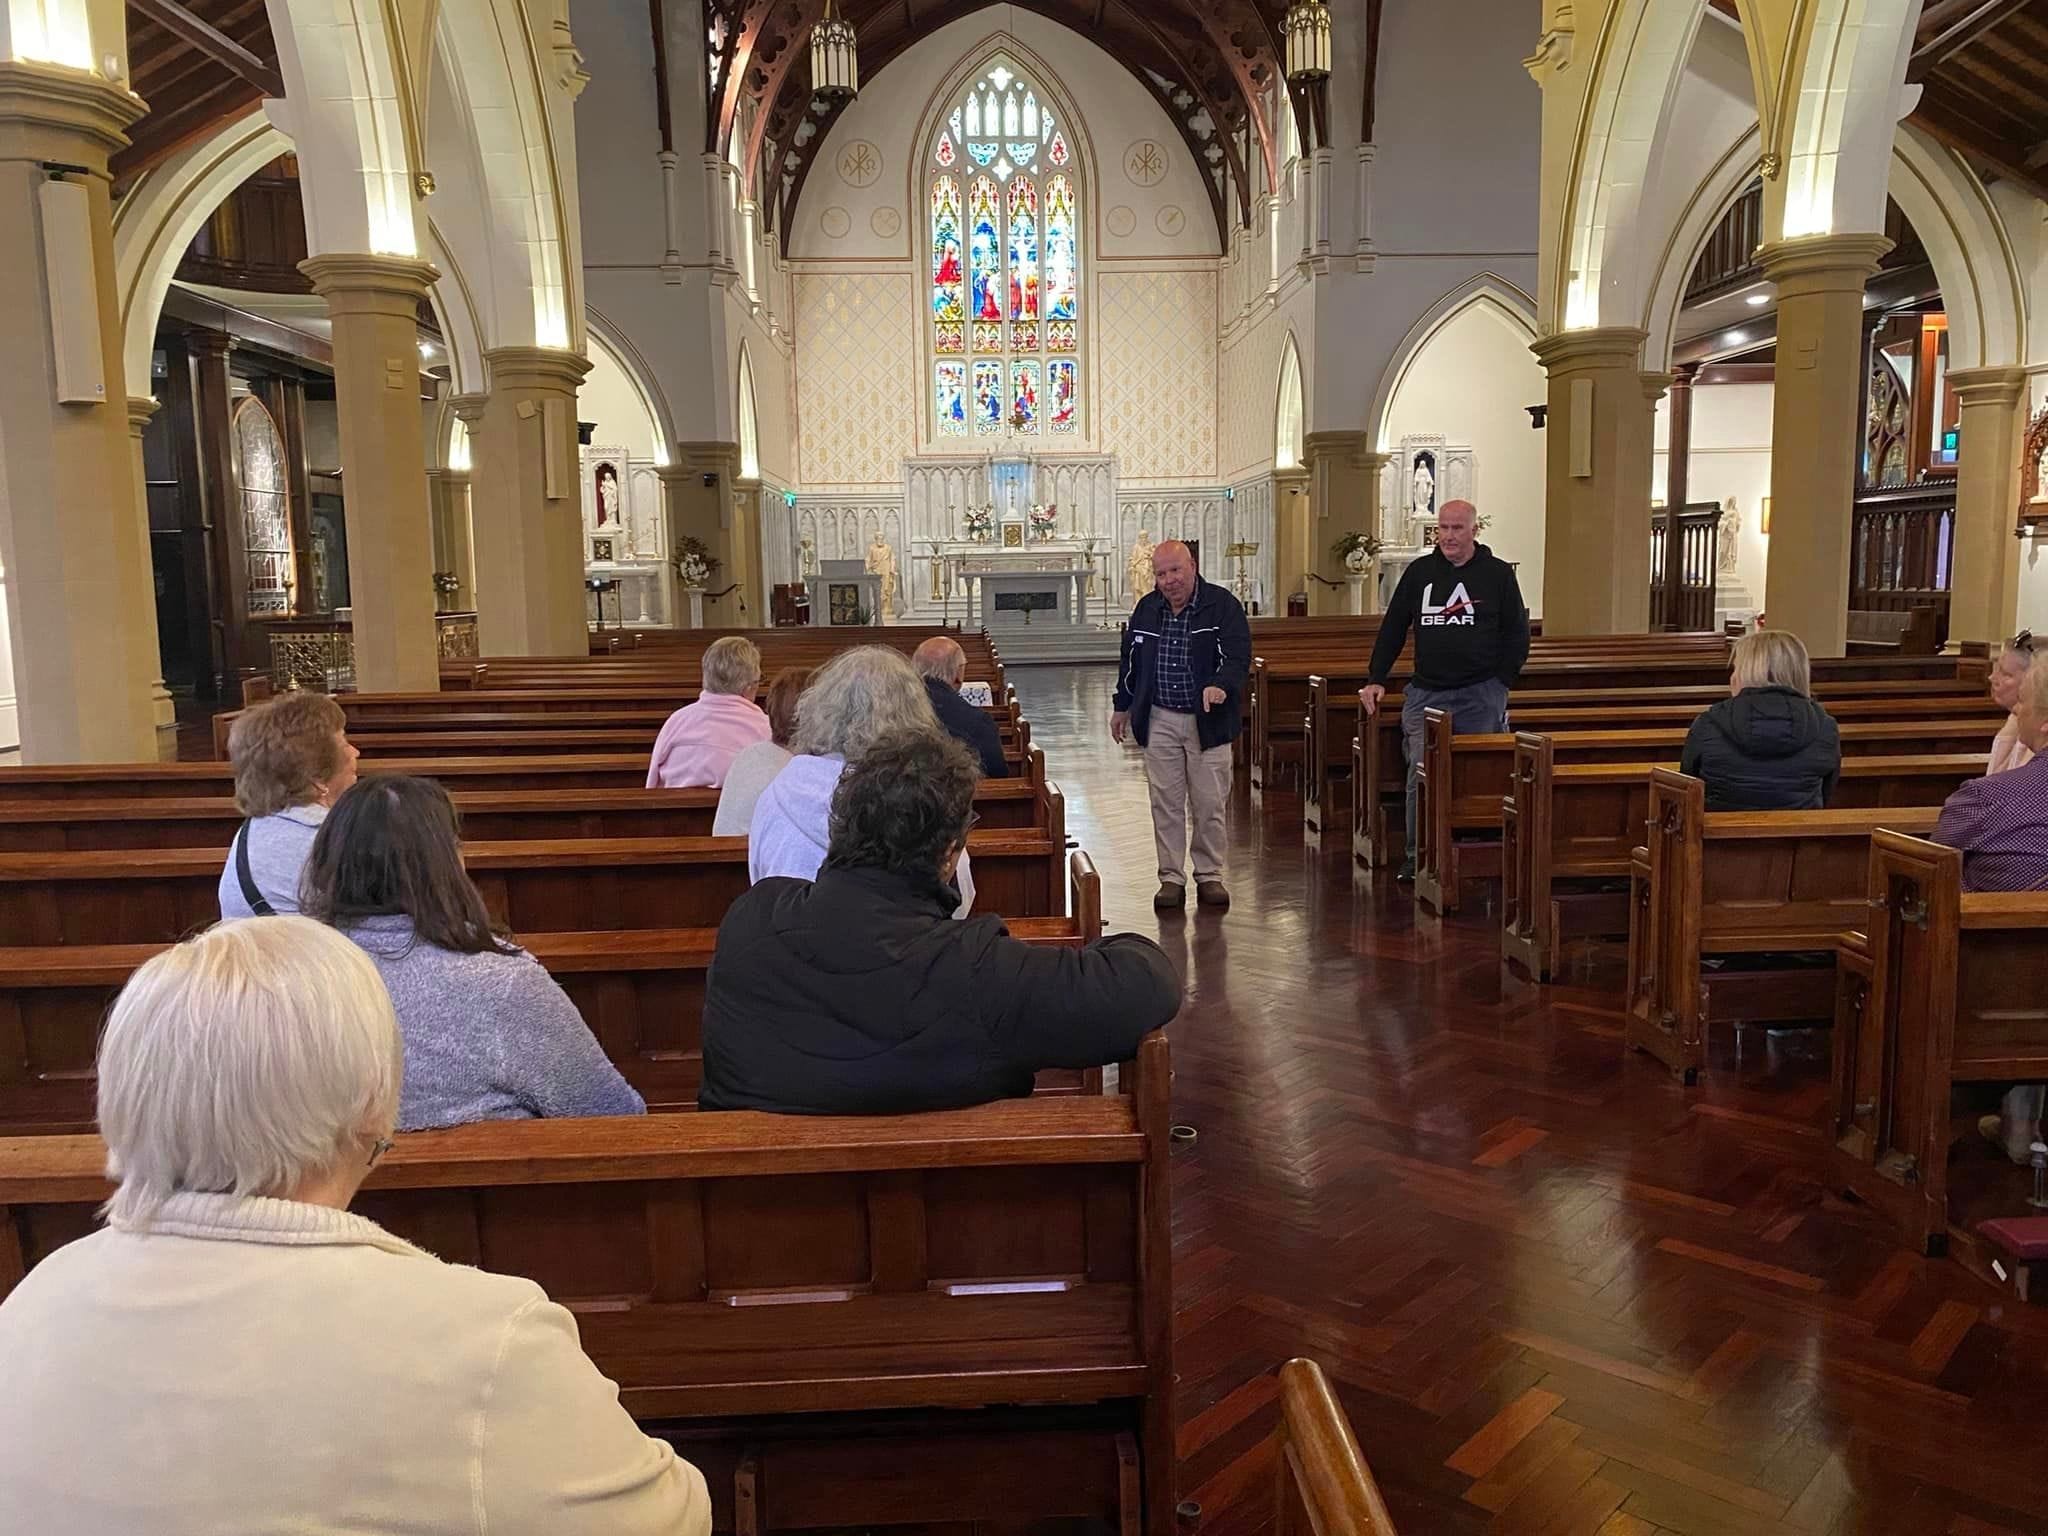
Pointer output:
379, 1147
2023, 641
973, 820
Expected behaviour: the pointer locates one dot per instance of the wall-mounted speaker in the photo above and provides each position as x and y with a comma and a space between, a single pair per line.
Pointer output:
74, 293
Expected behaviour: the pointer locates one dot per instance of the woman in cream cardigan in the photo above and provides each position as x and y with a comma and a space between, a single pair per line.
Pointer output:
234, 1352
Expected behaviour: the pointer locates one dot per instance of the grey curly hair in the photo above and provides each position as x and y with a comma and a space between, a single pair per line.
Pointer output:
858, 698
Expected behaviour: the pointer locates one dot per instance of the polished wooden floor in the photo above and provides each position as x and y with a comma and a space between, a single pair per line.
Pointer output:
1556, 1292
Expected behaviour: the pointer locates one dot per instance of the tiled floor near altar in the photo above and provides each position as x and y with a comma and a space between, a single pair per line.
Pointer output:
1556, 1292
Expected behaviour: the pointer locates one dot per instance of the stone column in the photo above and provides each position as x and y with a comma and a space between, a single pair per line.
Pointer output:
1294, 527
1984, 600
529, 518
1344, 497
1816, 420
675, 521
1599, 427
373, 302
141, 408
702, 511
745, 543
80, 596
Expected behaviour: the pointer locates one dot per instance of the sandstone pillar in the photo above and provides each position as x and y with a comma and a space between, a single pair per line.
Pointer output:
1344, 497
1597, 459
80, 596
1294, 528
373, 302
1984, 601
1816, 421
698, 492
527, 513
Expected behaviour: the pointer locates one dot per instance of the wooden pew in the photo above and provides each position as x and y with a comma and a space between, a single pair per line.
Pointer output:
532, 886
1913, 632
1739, 883
1324, 1486
777, 1280
641, 991
1377, 798
458, 775
205, 822
1945, 989
1567, 833
1465, 779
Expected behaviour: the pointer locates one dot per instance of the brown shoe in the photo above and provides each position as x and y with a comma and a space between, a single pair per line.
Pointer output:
1172, 896
1210, 893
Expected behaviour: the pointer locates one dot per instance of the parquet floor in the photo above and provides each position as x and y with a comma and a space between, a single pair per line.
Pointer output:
1557, 1293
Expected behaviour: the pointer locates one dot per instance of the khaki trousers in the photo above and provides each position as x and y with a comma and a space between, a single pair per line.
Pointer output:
1183, 777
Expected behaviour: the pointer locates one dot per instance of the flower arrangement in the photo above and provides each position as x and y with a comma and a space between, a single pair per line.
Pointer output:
980, 523
1355, 550
695, 564
1045, 521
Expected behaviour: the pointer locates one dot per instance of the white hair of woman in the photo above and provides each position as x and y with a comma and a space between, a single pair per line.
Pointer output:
732, 664
261, 1058
858, 698
1771, 658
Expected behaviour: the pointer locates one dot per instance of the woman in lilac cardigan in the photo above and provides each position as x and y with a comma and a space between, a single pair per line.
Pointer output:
488, 1033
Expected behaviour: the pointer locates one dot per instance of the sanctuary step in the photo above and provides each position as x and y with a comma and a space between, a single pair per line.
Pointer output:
1043, 644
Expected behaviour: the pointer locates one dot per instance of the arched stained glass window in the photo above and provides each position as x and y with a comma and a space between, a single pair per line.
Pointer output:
1003, 200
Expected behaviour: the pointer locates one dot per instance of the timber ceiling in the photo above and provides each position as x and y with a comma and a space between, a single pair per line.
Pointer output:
1982, 68
197, 63
1210, 64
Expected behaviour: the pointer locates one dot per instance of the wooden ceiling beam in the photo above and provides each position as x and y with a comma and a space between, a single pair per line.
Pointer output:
2006, 159
1949, 26
212, 42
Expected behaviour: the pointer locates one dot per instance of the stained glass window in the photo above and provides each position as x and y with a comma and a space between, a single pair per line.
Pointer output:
1006, 290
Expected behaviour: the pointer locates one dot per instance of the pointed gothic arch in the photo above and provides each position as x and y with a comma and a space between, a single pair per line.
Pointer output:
1488, 290
749, 433
1289, 415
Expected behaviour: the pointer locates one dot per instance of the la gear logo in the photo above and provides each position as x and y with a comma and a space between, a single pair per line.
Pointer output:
1458, 608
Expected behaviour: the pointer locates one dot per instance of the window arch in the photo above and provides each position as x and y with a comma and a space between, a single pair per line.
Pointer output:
1003, 194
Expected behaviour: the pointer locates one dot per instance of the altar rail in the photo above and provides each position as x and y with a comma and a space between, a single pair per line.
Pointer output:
321, 653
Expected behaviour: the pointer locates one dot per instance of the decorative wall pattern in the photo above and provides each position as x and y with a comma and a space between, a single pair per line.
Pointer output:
1156, 375
856, 374
1209, 516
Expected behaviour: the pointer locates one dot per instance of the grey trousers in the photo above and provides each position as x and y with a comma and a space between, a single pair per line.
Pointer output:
1190, 788
1476, 709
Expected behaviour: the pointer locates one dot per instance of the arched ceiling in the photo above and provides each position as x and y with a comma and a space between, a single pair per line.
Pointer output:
1209, 63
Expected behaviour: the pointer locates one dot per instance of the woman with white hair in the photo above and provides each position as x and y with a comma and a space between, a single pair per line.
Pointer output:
2007, 749
861, 697
236, 1352
1767, 746
699, 741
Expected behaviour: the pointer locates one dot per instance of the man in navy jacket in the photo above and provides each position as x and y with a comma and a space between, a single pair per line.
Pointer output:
1187, 655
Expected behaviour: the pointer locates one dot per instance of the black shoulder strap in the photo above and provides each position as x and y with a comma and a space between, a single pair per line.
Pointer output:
250, 893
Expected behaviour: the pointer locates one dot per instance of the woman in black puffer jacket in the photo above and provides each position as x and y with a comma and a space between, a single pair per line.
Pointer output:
1769, 747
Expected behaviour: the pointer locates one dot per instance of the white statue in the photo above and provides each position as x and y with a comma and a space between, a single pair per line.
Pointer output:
1139, 571
807, 559
1425, 488
882, 563
1730, 538
607, 496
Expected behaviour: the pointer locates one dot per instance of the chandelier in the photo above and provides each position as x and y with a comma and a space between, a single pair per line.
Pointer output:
835, 59
1307, 30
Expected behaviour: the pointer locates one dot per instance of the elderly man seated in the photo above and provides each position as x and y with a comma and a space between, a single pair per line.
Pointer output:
858, 994
943, 666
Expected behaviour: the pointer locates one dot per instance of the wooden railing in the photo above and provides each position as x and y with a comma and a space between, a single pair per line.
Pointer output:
1728, 260
1699, 546
1902, 550
320, 654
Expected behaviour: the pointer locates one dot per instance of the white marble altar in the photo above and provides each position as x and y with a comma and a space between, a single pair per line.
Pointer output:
1014, 599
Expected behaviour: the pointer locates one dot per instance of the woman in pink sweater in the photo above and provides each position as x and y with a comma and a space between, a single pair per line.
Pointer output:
699, 741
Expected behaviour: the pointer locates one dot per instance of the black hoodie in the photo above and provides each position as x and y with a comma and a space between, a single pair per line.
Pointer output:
1470, 622
1766, 749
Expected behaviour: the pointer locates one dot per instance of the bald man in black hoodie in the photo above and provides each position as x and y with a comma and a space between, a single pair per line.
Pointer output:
1471, 641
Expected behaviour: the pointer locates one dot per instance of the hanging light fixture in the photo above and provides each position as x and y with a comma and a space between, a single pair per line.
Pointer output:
835, 58
1307, 30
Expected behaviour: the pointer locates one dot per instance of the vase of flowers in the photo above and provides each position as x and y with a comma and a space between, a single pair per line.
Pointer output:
980, 523
1356, 551
695, 564
1045, 522
445, 587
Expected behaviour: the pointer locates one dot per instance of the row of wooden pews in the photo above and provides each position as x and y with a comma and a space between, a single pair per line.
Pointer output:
796, 1301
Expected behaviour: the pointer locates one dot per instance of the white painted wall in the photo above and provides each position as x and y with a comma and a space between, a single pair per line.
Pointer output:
1472, 382
611, 399
2026, 221
1731, 456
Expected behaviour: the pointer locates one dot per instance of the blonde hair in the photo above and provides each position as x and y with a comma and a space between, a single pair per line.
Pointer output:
283, 750
248, 1060
2034, 685
732, 664
1772, 658
856, 699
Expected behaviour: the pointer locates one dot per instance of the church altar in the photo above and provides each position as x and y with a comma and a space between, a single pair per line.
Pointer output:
970, 570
